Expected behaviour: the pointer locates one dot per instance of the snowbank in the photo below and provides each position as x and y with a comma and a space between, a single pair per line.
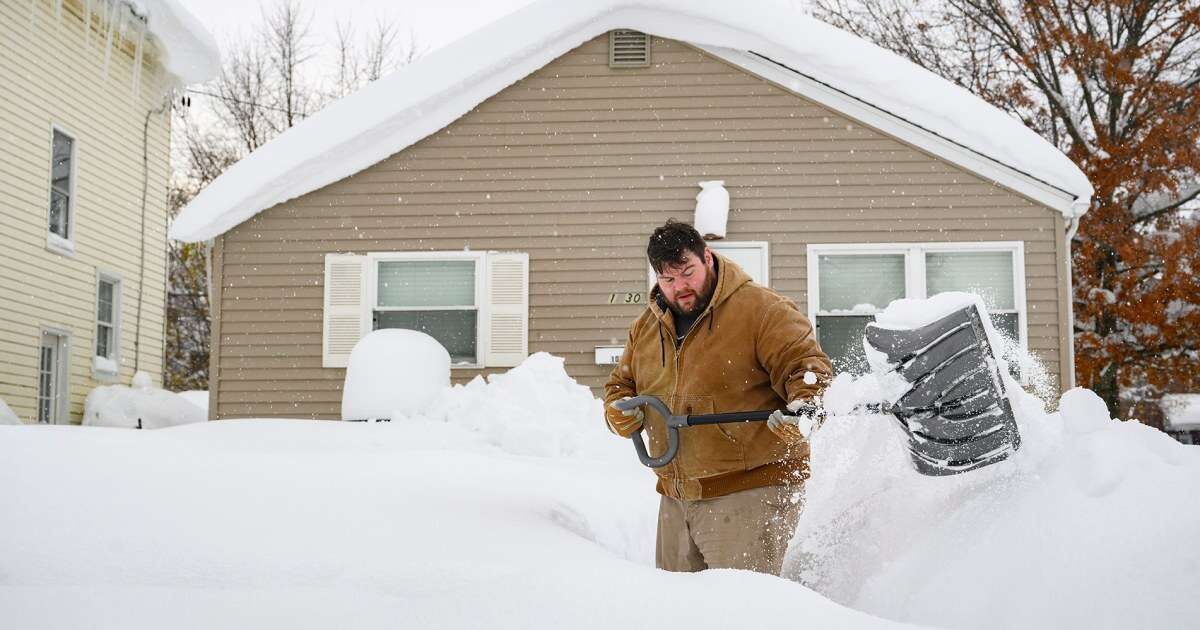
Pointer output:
1182, 411
7, 416
416, 524
154, 408
1090, 524
396, 111
533, 409
394, 372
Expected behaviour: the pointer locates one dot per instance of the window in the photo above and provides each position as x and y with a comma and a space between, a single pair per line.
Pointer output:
439, 297
62, 178
849, 284
52, 383
752, 256
108, 309
476, 304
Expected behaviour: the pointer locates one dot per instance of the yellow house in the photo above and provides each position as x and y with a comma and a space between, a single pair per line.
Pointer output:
85, 93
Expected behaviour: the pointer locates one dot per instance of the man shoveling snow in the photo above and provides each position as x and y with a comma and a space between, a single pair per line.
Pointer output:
713, 341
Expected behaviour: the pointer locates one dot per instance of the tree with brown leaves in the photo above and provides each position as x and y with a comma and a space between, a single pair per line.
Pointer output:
1116, 85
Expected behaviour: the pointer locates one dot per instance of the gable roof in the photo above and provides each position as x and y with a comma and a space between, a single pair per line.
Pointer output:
806, 55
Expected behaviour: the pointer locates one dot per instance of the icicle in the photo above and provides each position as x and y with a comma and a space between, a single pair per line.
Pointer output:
108, 40
87, 23
33, 13
137, 61
58, 10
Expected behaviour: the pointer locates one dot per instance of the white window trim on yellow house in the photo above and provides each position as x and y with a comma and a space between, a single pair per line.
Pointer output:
55, 242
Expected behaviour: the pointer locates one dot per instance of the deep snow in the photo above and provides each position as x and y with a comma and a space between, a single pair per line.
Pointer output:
507, 503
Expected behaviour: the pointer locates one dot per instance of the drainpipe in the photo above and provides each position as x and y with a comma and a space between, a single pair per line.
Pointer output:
137, 334
1078, 207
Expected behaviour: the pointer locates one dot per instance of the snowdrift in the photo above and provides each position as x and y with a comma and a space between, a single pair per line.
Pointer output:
416, 523
1088, 525
507, 503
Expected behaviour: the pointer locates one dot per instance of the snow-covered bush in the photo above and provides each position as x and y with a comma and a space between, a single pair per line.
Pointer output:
141, 405
394, 372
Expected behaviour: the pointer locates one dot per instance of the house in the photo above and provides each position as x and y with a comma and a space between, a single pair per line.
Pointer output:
498, 194
84, 122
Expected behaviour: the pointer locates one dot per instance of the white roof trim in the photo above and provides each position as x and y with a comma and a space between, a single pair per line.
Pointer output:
397, 111
893, 125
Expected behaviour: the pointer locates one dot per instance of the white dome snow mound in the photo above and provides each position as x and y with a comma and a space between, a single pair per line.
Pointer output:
1090, 524
533, 409
394, 372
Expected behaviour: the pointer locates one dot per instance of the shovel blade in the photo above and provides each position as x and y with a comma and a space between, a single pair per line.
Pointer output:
956, 414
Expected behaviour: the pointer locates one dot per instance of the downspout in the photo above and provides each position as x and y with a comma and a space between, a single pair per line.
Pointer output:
1078, 207
137, 334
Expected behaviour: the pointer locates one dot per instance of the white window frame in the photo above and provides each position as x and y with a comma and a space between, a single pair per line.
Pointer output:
60, 410
914, 273
717, 246
482, 340
114, 354
54, 242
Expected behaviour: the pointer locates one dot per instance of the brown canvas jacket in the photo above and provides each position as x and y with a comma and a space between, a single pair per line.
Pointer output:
749, 350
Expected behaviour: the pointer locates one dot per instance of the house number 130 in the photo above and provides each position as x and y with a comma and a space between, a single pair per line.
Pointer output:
624, 298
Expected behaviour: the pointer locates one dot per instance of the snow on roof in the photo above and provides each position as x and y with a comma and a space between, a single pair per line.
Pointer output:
1182, 411
190, 53
396, 111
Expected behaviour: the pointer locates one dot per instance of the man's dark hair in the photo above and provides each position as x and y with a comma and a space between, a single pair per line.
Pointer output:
671, 242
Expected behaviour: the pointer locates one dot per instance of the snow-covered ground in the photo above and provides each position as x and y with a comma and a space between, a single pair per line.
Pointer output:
420, 523
507, 504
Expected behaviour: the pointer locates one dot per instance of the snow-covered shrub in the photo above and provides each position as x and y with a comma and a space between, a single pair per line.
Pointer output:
394, 371
141, 405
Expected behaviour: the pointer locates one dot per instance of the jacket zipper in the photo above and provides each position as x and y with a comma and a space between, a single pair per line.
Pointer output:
675, 388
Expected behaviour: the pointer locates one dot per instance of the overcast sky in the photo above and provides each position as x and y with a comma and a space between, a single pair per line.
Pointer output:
434, 23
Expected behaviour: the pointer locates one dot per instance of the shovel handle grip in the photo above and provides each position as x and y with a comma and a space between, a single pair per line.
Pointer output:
639, 444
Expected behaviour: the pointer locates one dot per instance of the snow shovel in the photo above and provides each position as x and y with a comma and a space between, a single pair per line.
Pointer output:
955, 413
674, 423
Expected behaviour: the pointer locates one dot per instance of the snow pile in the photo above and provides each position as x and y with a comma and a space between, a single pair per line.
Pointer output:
142, 405
400, 109
1089, 524
7, 416
394, 372
533, 409
416, 524
712, 209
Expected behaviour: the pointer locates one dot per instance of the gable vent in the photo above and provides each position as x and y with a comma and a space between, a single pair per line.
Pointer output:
628, 49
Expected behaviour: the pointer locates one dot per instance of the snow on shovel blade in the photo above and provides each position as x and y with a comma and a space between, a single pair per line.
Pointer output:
956, 413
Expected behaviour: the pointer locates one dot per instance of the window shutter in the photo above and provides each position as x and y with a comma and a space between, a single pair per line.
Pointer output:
345, 307
507, 323
628, 49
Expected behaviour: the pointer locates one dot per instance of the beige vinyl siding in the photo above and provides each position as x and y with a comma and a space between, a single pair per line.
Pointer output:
52, 76
575, 165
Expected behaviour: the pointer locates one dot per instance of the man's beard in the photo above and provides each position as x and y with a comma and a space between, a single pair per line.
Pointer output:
702, 300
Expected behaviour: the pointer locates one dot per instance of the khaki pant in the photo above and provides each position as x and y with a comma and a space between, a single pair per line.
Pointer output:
744, 530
